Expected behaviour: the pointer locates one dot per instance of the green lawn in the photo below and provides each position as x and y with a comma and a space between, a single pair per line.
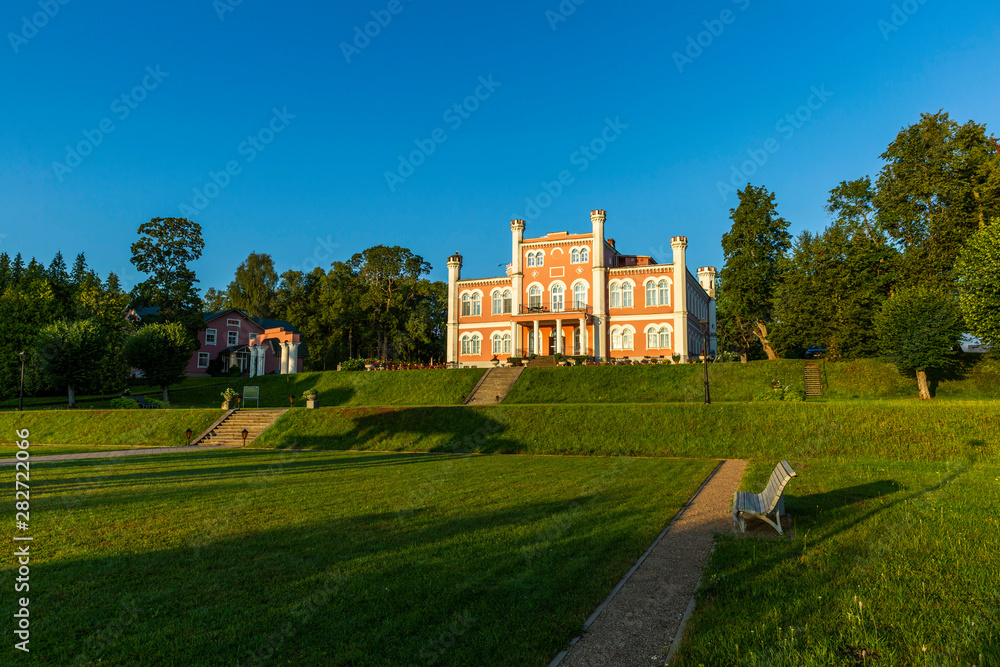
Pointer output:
888, 558
905, 430
8, 451
320, 558
115, 429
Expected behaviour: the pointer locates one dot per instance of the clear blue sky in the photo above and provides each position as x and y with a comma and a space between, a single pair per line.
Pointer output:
323, 175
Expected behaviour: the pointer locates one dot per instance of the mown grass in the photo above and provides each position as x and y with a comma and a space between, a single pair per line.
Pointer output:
902, 430
8, 451
211, 558
893, 563
864, 379
115, 429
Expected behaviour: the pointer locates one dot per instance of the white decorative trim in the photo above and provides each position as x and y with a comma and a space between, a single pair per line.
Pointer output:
484, 281
659, 269
638, 318
557, 272
483, 325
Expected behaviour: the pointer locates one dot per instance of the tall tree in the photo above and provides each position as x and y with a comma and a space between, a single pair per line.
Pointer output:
978, 273
753, 250
215, 301
919, 329
941, 183
253, 288
69, 354
161, 352
165, 248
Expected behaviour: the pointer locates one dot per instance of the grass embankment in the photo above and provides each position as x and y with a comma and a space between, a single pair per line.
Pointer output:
891, 430
211, 558
112, 429
864, 379
892, 564
436, 387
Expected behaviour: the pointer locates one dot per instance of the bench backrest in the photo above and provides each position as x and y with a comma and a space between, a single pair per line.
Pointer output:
251, 394
776, 485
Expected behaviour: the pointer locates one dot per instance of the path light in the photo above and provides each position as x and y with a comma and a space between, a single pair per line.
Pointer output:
291, 401
188, 433
20, 402
239, 402
245, 433
704, 357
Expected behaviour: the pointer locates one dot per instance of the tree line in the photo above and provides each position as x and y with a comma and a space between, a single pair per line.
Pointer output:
908, 263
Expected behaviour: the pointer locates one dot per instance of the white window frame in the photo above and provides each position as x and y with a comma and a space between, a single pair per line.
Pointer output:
211, 336
497, 299
557, 296
628, 290
616, 339
204, 356
574, 256
666, 338
477, 304
577, 302
466, 305
507, 344
616, 295
508, 302
497, 344
628, 338
663, 287
233, 323
584, 255
535, 292
229, 338
651, 293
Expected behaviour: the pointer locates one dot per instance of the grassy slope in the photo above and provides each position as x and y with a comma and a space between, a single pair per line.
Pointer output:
904, 430
735, 382
332, 558
120, 429
900, 560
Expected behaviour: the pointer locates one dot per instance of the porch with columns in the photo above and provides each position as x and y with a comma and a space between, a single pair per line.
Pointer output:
561, 331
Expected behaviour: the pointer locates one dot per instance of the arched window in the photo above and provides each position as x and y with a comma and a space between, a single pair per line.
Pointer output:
584, 255
616, 339
507, 302
580, 296
558, 298
627, 338
477, 304
616, 295
466, 344
531, 259
497, 340
575, 256
506, 344
664, 289
535, 297
577, 340
652, 339
476, 344
466, 305
497, 303
650, 293
665, 338
539, 258
626, 295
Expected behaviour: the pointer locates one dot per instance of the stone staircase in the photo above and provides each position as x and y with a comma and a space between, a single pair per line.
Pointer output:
543, 362
813, 379
228, 431
494, 386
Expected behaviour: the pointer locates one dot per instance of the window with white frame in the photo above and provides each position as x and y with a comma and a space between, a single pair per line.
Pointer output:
477, 304
497, 303
507, 340
531, 259
232, 323
584, 255
616, 339
476, 344
558, 298
508, 302
577, 340
536, 258
650, 293
664, 289
652, 339
664, 334
535, 297
627, 334
211, 336
616, 295
471, 344
234, 338
580, 296
574, 256
466, 305
497, 344
626, 295
203, 360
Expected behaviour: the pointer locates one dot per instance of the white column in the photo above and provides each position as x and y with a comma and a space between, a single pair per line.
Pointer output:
284, 358
559, 339
679, 245
514, 344
262, 359
253, 361
454, 307
600, 283
583, 335
534, 333
293, 358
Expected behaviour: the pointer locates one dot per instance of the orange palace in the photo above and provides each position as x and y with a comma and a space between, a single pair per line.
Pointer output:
577, 295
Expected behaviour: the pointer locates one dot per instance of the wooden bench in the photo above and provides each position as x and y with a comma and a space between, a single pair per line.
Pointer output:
762, 505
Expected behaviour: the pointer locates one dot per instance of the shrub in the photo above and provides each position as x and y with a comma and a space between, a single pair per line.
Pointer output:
153, 403
353, 365
124, 404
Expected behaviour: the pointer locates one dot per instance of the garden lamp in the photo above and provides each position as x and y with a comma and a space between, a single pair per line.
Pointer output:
245, 433
239, 402
291, 401
188, 433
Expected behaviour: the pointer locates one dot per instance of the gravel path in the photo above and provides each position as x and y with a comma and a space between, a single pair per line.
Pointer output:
641, 621
110, 455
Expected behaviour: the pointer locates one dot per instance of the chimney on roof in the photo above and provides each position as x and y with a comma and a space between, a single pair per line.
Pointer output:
611, 242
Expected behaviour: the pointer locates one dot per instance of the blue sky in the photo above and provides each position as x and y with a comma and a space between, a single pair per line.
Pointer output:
200, 78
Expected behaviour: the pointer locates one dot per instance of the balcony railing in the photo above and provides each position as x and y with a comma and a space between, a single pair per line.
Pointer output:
533, 309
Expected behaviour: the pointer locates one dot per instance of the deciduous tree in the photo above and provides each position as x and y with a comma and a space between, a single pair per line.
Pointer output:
161, 352
978, 273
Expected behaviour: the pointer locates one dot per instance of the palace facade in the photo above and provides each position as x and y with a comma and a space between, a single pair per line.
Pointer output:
576, 294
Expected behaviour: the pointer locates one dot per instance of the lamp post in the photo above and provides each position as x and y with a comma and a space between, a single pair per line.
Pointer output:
20, 401
239, 402
245, 433
291, 401
188, 434
704, 357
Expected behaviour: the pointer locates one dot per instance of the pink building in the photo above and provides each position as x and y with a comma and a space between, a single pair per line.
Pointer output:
256, 345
